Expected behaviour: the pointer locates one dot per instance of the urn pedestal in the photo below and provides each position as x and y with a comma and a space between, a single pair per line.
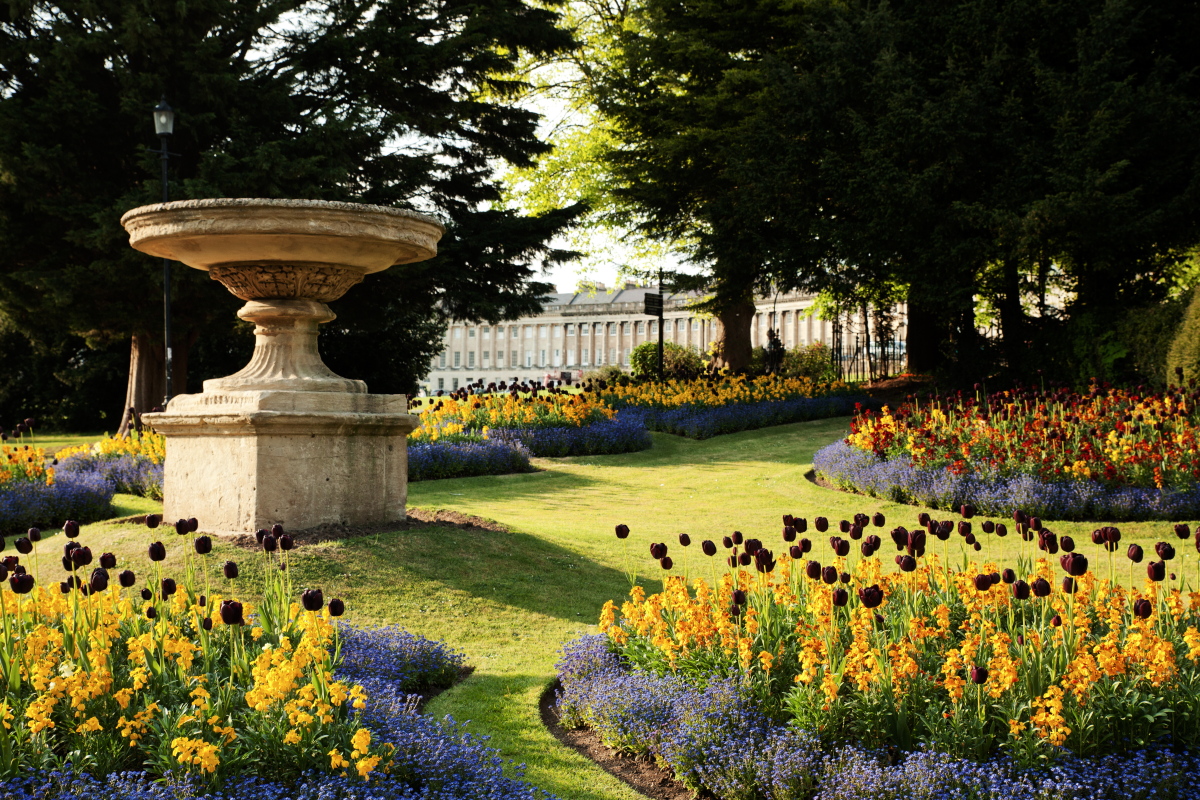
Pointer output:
284, 439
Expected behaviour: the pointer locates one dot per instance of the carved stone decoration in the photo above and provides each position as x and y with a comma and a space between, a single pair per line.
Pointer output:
284, 439
318, 282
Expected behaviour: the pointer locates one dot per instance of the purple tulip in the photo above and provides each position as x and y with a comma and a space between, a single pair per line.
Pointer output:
708, 547
336, 607
158, 551
870, 596
71, 528
312, 599
622, 532
231, 612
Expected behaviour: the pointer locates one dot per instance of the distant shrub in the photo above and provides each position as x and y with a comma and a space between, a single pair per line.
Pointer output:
678, 361
814, 361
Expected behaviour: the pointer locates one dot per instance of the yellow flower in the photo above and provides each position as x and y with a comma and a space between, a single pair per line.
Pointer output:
336, 761
366, 765
361, 742
292, 737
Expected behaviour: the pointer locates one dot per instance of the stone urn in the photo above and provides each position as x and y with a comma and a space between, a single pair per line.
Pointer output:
284, 439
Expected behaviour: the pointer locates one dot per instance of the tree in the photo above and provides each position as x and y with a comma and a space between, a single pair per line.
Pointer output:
393, 102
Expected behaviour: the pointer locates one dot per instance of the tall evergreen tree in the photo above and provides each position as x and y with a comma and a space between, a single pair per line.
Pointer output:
394, 102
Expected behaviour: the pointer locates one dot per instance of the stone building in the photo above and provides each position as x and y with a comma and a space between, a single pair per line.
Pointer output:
581, 331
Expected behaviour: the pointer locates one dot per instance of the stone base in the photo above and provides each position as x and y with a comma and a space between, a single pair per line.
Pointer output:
239, 461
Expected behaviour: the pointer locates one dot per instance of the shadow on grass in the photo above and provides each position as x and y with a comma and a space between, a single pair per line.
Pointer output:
513, 569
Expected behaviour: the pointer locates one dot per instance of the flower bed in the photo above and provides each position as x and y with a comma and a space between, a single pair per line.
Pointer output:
855, 470
624, 433
704, 422
1109, 453
133, 464
709, 392
465, 459
840, 678
177, 691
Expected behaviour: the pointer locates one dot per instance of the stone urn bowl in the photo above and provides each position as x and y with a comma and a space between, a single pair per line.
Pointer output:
287, 259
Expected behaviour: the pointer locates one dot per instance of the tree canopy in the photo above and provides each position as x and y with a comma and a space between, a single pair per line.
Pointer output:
395, 102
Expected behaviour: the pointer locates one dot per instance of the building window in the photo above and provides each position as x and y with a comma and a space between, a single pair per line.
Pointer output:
457, 332
515, 332
542, 360
556, 331
528, 331
513, 358
695, 324
641, 327
442, 359
612, 356
680, 324
471, 358
653, 328
598, 328
528, 358
542, 331
487, 332
570, 329
486, 355
441, 384
612, 328
457, 360
470, 333
454, 385
625, 357
557, 357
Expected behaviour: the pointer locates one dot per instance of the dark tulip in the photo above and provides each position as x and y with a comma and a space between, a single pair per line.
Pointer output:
1041, 588
158, 551
1076, 564
787, 520
1021, 639
813, 570
193, 524
81, 557
1056, 621
733, 561
867, 549
727, 542
964, 528
1142, 609
1156, 570
203, 545
967, 511
979, 675
277, 530
899, 559
665, 562
312, 599
24, 546
708, 547
63, 586
744, 559
821, 524
231, 612
684, 540
1008, 576
1183, 531
908, 564
34, 534
856, 532
862, 520
899, 537
230, 569
11, 561
842, 548
789, 533
2, 543
260, 534
969, 538
845, 577
737, 537
21, 583
168, 587
995, 576
805, 545
182, 527
923, 519
67, 565
800, 524
829, 575
878, 520
126, 578
108, 561
152, 521
206, 623
947, 528
1066, 543
1035, 523
99, 580
147, 594
1135, 553
1098, 536
739, 597
871, 596
622, 532
3, 573
1112, 535
202, 601
840, 597
752, 546
983, 582
269, 543
151, 612
1197, 542
795, 552
1021, 590
71, 528
1164, 550
287, 543
1069, 586
336, 607
844, 526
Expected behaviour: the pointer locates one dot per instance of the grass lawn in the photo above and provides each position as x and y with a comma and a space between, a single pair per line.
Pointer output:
509, 600
53, 442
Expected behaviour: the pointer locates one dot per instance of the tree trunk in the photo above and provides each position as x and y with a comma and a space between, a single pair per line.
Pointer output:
923, 336
1012, 318
867, 341
735, 336
147, 385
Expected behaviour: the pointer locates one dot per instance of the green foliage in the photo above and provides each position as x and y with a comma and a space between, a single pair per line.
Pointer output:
813, 361
608, 372
1148, 334
679, 361
404, 103
1185, 347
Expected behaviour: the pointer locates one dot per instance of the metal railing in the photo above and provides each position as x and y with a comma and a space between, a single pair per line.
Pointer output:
859, 358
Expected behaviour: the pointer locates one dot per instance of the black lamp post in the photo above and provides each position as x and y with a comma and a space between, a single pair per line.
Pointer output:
164, 126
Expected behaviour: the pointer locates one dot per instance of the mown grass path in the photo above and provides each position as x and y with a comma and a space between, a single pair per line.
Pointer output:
509, 600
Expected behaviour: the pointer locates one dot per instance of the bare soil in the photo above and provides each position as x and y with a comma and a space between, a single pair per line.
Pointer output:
641, 773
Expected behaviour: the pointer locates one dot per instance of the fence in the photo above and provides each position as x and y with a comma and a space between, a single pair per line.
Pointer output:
858, 358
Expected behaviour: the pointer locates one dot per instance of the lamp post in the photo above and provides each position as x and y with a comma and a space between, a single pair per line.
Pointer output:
164, 126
